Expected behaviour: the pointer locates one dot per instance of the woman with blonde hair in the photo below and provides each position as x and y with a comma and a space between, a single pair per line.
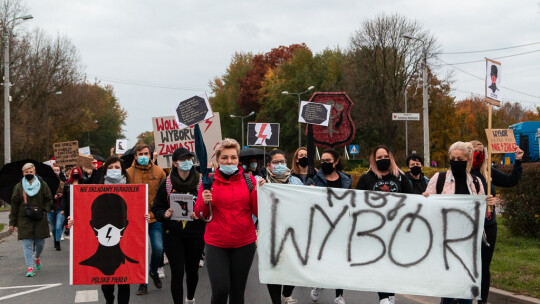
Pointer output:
300, 166
479, 168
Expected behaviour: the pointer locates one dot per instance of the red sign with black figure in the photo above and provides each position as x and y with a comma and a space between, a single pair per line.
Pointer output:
109, 235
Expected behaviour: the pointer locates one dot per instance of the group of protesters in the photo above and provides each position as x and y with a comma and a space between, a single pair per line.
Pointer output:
226, 231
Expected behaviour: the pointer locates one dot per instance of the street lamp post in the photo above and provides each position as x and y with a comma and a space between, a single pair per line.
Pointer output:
425, 99
242, 117
299, 103
7, 86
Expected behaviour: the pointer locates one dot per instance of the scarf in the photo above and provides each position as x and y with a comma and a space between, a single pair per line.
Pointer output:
118, 181
187, 185
282, 179
31, 189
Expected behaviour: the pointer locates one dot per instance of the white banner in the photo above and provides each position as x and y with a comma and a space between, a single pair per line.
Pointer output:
372, 241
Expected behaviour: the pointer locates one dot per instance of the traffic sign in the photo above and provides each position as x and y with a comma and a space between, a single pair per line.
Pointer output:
405, 116
353, 149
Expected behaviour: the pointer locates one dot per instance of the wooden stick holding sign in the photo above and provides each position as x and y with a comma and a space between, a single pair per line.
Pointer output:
493, 97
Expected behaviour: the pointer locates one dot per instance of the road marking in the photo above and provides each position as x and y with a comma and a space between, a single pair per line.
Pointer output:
40, 287
85, 296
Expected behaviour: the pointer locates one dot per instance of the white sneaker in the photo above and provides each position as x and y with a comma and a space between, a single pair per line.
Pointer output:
315, 294
165, 259
190, 301
339, 300
161, 273
389, 300
201, 263
62, 237
288, 300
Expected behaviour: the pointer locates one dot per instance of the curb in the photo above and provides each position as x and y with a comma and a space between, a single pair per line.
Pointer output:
498, 296
5, 232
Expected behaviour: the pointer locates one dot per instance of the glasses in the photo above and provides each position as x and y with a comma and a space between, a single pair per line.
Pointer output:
327, 161
277, 162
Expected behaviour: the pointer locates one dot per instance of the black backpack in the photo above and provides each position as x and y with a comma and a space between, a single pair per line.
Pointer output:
442, 178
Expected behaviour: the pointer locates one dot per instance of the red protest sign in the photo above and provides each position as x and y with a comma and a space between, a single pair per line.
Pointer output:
109, 236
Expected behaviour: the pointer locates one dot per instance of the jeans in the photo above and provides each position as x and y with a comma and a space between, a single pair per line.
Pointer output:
56, 222
156, 241
28, 249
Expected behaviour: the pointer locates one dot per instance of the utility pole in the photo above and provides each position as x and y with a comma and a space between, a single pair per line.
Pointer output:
7, 85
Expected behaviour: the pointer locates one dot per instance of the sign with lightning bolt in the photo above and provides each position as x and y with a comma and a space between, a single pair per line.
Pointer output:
263, 134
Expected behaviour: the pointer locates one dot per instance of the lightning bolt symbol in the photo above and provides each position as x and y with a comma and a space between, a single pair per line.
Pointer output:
261, 133
108, 236
209, 122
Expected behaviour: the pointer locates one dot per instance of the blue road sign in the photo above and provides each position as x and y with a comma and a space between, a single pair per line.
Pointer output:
353, 149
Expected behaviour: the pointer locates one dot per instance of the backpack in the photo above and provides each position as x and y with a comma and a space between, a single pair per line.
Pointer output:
442, 178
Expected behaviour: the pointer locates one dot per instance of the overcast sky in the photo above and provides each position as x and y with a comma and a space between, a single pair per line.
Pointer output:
182, 45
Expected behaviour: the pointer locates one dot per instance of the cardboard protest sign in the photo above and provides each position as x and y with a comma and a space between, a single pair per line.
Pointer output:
121, 146
352, 239
314, 113
85, 151
84, 161
493, 82
263, 134
168, 137
182, 206
501, 140
109, 236
192, 111
66, 153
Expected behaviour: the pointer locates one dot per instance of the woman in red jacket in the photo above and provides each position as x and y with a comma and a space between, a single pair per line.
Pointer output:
230, 235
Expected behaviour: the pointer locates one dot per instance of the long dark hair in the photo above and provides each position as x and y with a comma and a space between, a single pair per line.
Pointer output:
111, 160
335, 155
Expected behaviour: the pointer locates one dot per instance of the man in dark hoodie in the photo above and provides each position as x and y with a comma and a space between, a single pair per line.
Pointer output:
418, 180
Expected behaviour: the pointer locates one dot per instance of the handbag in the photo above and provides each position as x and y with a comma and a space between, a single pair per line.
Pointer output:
32, 212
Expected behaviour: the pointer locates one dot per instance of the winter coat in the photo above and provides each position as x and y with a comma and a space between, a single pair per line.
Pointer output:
27, 227
232, 206
418, 185
151, 175
320, 179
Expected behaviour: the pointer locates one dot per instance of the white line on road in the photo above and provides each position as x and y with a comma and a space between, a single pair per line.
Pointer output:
85, 296
40, 287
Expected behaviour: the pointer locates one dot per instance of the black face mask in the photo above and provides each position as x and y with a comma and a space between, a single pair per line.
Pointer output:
327, 168
29, 177
75, 176
416, 170
459, 168
303, 162
383, 164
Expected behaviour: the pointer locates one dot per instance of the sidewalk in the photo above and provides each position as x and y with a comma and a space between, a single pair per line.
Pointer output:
4, 219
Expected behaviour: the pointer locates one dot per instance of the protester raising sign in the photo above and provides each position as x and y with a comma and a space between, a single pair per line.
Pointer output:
501, 140
168, 137
192, 111
109, 237
373, 241
66, 153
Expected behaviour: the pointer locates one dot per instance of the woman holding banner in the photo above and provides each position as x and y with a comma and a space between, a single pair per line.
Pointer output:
499, 179
230, 235
330, 175
384, 175
458, 180
183, 241
300, 166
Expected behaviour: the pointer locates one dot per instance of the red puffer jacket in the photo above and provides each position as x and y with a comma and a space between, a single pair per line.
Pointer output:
232, 205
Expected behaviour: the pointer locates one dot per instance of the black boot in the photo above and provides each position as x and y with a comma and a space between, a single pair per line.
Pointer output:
57, 245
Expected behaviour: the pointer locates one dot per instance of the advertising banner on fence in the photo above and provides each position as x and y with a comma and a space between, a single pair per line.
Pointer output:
372, 241
109, 236
168, 137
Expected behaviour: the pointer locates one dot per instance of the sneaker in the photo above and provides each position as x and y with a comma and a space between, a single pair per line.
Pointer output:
339, 300
201, 263
143, 289
38, 264
62, 237
157, 281
30, 272
161, 272
165, 259
190, 301
389, 300
315, 294
288, 300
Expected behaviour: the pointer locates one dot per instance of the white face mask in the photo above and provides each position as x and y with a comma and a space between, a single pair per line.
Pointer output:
109, 235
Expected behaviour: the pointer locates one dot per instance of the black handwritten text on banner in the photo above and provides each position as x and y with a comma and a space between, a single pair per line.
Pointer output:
374, 241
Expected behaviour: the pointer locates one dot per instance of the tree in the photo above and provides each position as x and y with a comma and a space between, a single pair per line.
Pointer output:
146, 137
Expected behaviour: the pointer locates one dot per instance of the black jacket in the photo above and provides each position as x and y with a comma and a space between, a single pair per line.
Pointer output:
388, 183
419, 185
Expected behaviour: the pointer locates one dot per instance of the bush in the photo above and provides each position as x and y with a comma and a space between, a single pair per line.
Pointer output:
521, 204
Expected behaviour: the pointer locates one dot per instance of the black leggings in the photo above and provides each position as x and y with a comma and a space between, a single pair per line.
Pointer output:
183, 253
228, 270
123, 293
275, 292
487, 254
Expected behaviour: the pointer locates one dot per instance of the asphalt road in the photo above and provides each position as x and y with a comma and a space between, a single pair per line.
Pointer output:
51, 283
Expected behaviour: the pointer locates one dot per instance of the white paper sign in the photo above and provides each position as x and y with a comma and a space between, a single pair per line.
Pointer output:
192, 111
182, 206
121, 146
372, 241
85, 150
314, 113
493, 81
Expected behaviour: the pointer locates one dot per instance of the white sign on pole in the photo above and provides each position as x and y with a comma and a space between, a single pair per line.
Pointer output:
314, 113
493, 82
263, 134
352, 239
182, 206
121, 146
168, 137
192, 111
405, 116
85, 150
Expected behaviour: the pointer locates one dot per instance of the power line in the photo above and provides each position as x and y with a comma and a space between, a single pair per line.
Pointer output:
501, 57
499, 49
147, 84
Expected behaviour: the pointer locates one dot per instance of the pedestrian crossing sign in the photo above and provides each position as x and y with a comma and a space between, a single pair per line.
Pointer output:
353, 149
